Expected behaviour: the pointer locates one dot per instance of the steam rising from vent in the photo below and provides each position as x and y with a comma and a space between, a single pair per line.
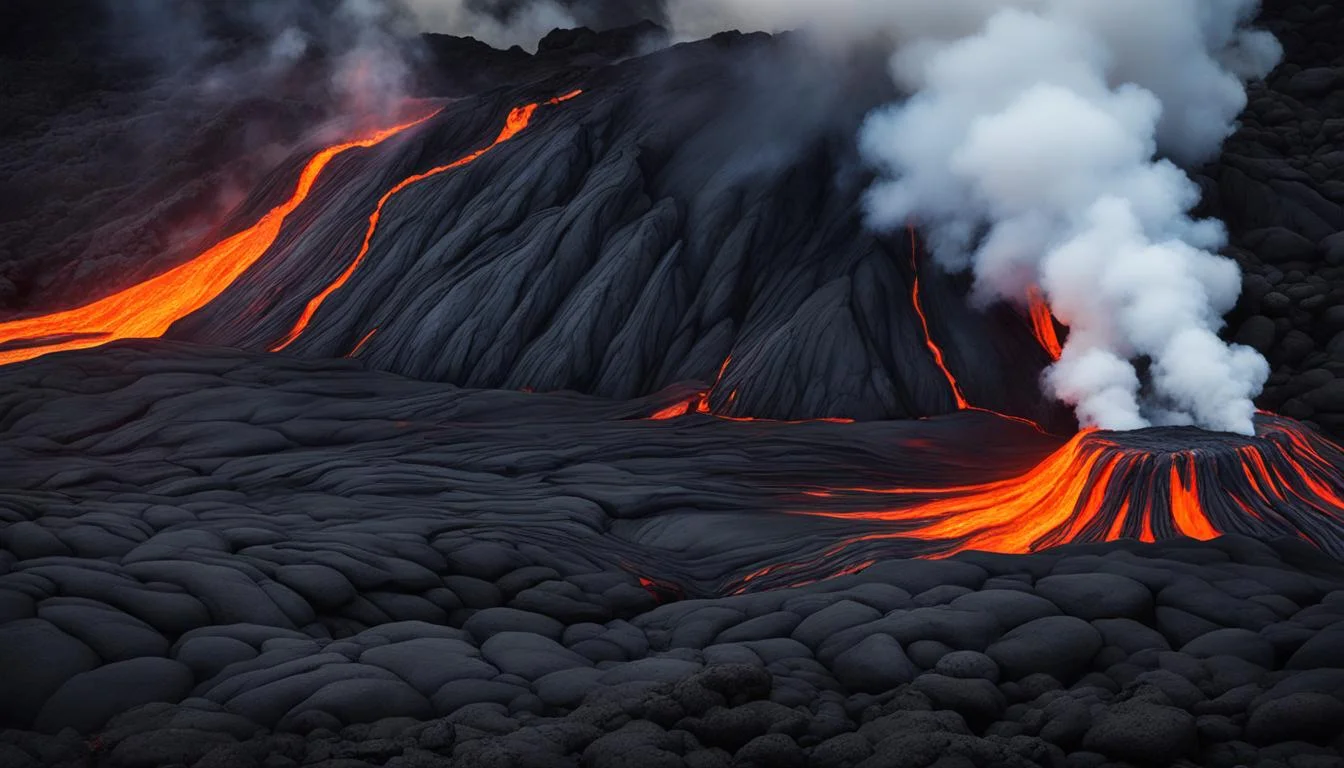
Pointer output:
1033, 152
1028, 153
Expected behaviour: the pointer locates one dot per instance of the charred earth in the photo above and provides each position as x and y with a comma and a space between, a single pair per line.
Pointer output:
567, 416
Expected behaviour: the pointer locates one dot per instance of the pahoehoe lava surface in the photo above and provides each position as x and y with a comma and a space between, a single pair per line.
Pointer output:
202, 543
647, 453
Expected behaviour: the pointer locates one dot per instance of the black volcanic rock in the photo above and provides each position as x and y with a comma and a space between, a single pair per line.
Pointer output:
470, 502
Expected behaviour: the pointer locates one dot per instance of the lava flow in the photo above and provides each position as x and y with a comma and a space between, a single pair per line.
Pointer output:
149, 309
699, 403
1043, 324
962, 403
1147, 485
516, 123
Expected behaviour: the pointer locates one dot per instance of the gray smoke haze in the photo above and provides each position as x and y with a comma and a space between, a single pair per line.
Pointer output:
357, 53
506, 23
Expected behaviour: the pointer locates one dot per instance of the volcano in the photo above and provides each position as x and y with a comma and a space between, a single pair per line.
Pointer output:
570, 413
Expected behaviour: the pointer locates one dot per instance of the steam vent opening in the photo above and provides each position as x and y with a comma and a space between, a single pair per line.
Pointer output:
780, 384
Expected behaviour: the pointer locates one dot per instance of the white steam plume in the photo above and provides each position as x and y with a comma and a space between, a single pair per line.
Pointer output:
1029, 153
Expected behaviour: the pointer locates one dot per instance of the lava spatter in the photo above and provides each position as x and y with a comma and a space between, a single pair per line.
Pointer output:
517, 121
149, 309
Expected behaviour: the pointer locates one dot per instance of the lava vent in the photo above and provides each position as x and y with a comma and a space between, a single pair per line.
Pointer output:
1148, 485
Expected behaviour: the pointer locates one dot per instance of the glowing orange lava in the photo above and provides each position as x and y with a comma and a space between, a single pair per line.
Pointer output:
962, 403
516, 123
1043, 324
1084, 491
359, 347
699, 403
149, 309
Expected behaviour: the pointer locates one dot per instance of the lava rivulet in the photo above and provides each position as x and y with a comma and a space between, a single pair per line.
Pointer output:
934, 349
1099, 486
149, 309
516, 123
1043, 324
699, 403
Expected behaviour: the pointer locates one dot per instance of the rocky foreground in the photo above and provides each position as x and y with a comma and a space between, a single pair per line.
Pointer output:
213, 558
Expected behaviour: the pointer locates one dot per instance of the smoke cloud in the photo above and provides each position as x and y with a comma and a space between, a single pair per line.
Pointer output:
356, 55
506, 23
1037, 149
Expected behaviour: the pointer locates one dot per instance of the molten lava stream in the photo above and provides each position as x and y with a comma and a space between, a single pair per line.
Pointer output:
962, 403
148, 309
1150, 485
699, 403
1043, 324
516, 123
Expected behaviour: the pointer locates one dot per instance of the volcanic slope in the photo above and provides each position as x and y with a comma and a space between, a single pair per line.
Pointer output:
211, 554
620, 242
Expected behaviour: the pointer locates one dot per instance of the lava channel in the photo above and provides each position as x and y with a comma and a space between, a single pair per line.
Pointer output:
149, 309
1043, 324
1148, 485
517, 122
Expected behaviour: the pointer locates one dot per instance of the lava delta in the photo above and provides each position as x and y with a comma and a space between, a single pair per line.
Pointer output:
573, 410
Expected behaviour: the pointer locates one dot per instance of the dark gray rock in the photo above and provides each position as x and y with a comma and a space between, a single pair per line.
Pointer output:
363, 700
657, 670
1010, 608
968, 665
844, 751
1321, 649
88, 700
206, 655
1241, 643
529, 656
1144, 733
1130, 636
566, 688
875, 664
773, 750
1302, 716
824, 623
168, 746
491, 621
36, 659
776, 624
430, 663
977, 700
460, 693
1097, 595
1060, 646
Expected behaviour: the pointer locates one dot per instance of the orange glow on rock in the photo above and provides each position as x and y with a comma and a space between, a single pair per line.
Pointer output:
359, 347
934, 349
149, 309
1084, 491
1043, 324
516, 122
699, 403
1186, 511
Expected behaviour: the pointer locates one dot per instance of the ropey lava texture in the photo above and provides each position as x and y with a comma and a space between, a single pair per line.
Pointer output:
223, 543
707, 422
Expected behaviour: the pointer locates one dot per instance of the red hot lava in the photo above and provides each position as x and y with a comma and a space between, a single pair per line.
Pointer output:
1149, 485
699, 403
517, 122
1043, 323
149, 309
934, 349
